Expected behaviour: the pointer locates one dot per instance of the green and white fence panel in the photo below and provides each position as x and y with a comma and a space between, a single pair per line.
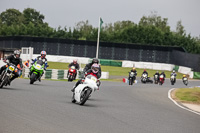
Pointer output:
60, 74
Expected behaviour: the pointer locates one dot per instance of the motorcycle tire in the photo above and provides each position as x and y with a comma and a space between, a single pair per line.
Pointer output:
84, 96
4, 81
131, 81
33, 78
70, 79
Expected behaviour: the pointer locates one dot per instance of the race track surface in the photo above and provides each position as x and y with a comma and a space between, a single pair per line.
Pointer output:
45, 107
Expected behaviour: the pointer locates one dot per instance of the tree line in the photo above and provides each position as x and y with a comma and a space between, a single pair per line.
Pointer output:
151, 30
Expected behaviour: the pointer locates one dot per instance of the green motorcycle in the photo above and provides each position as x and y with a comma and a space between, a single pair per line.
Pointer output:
37, 70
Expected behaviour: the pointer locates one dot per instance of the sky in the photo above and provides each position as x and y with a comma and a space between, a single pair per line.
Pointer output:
69, 12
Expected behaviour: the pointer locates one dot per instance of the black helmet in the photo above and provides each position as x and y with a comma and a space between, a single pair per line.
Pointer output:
95, 61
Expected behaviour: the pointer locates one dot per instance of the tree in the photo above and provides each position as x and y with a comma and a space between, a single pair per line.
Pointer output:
33, 16
155, 20
180, 28
11, 16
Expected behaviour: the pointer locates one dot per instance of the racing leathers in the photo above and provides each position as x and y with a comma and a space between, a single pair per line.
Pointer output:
16, 61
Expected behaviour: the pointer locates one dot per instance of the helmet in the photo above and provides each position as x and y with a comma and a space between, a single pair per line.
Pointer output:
133, 68
74, 61
16, 52
95, 61
157, 72
184, 76
43, 54
144, 70
95, 68
173, 71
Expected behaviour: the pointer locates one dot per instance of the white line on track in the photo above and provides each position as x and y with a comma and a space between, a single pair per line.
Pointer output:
169, 96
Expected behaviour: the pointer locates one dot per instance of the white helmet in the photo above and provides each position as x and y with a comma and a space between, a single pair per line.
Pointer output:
17, 52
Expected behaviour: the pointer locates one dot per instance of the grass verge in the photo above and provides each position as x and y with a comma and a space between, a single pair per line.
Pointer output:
188, 95
113, 71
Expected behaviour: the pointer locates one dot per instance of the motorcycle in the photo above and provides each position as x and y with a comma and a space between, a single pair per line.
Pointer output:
131, 78
72, 73
185, 81
144, 78
37, 70
83, 91
172, 79
7, 74
161, 79
156, 79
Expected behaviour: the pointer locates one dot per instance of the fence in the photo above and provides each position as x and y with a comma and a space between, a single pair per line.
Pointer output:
113, 51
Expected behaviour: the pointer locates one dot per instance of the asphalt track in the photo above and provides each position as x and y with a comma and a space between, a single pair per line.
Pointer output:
46, 107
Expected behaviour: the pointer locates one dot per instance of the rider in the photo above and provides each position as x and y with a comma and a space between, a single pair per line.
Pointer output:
145, 72
74, 63
44, 60
86, 69
135, 73
163, 73
174, 74
157, 73
14, 59
26, 63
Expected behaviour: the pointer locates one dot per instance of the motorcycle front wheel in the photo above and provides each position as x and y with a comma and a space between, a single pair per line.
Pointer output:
84, 96
4, 81
33, 78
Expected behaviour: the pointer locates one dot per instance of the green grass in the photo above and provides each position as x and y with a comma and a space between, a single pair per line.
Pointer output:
191, 95
113, 71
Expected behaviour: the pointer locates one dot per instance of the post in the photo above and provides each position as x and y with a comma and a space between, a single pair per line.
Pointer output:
97, 51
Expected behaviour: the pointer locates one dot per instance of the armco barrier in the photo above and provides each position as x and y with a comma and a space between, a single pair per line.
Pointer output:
148, 65
184, 70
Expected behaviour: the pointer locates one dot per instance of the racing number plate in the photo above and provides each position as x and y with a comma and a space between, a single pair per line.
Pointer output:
11, 68
38, 66
94, 79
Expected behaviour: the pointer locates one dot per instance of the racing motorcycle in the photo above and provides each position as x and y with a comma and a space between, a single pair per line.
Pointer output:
185, 81
83, 91
7, 74
131, 78
37, 70
161, 79
172, 79
144, 78
72, 73
156, 79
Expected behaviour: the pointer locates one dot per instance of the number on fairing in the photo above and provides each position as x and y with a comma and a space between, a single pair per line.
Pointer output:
11, 68
94, 79
38, 66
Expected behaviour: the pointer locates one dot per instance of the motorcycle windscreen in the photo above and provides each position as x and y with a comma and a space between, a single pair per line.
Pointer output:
40, 62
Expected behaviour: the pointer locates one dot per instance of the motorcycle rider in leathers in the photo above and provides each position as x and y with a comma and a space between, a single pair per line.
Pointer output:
14, 59
76, 65
88, 67
44, 60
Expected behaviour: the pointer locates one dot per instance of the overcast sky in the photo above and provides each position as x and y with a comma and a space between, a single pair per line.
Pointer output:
69, 12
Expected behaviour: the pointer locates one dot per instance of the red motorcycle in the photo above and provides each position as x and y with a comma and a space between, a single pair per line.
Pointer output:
72, 73
161, 79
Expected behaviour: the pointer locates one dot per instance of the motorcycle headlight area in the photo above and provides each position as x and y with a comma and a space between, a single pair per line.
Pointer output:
11, 68
38, 66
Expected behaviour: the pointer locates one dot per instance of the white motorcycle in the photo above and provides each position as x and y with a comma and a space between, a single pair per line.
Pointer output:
83, 91
172, 78
185, 81
144, 78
